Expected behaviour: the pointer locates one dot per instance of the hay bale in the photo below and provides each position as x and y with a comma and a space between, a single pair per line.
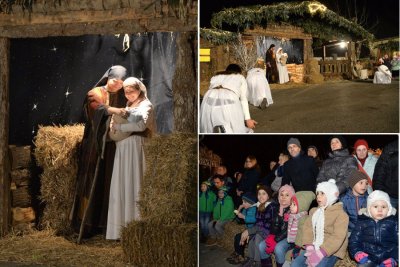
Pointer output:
169, 191
57, 153
21, 197
20, 177
146, 243
230, 230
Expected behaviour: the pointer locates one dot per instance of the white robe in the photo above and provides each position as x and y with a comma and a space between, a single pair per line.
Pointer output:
282, 69
226, 106
383, 75
128, 170
258, 87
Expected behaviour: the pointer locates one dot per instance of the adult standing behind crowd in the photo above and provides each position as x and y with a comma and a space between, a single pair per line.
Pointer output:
300, 171
270, 61
312, 151
259, 92
225, 107
386, 174
129, 162
96, 153
281, 64
251, 175
339, 164
365, 161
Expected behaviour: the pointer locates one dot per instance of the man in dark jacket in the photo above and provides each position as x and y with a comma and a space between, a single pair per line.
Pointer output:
300, 170
386, 174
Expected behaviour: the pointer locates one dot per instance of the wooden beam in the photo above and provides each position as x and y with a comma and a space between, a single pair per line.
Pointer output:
4, 111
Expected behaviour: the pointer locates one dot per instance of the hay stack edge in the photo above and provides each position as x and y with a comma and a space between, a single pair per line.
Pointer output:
167, 232
57, 153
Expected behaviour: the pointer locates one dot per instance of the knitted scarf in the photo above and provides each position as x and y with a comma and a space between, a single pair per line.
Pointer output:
293, 226
318, 224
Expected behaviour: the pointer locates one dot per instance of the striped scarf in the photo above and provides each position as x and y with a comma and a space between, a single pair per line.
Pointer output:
293, 226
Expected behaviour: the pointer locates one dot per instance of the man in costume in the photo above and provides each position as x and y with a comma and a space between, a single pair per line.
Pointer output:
270, 61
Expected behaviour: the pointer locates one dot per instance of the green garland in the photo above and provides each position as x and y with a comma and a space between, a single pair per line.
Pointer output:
218, 37
320, 22
389, 46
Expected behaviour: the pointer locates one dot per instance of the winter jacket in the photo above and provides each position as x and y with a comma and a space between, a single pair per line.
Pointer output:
223, 210
250, 216
378, 239
280, 225
301, 172
335, 230
264, 220
386, 174
338, 166
369, 167
206, 201
352, 204
249, 180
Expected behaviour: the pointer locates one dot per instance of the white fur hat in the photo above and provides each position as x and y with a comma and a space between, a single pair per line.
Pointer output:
330, 190
378, 195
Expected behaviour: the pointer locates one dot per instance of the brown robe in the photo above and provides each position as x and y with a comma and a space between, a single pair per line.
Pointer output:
272, 68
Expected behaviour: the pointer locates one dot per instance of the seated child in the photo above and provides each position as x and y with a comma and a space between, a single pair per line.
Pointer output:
222, 214
247, 212
278, 234
207, 199
374, 240
325, 230
355, 197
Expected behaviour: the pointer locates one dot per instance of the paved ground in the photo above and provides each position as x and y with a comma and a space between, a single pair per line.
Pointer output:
331, 107
213, 256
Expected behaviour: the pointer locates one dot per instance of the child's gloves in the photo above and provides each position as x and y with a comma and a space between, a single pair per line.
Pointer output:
271, 243
314, 257
388, 263
361, 257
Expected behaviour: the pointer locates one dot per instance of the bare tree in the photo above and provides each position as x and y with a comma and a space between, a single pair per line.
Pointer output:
244, 53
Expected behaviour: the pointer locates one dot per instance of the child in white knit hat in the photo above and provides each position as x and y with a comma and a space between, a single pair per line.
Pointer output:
325, 230
374, 240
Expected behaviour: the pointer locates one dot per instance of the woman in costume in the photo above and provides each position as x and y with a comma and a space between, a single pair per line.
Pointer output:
270, 61
97, 154
281, 63
382, 74
224, 107
129, 162
258, 90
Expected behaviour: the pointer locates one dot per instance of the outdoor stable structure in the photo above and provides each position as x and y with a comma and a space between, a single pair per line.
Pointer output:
309, 21
75, 17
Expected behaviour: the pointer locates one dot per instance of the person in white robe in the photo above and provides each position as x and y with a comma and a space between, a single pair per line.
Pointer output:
224, 108
129, 161
382, 74
281, 64
258, 90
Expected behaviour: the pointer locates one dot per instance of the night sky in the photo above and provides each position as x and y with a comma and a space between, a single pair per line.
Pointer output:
49, 77
386, 12
233, 149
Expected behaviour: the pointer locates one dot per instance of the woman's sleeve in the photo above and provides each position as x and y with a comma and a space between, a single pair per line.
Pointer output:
137, 122
243, 98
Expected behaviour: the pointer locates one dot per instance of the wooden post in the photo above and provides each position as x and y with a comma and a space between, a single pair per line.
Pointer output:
184, 84
4, 111
324, 56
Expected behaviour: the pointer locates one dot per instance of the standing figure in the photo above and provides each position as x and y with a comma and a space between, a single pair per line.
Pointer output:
382, 74
224, 107
281, 64
258, 91
129, 162
97, 154
270, 61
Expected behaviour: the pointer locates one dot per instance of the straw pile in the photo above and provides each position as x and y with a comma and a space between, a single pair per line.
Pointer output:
146, 243
56, 152
230, 230
167, 232
169, 193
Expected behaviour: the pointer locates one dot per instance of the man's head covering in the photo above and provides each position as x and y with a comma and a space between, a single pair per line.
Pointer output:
293, 140
115, 72
135, 82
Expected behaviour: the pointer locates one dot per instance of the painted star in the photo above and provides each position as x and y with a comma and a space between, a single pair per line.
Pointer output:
54, 49
67, 93
34, 106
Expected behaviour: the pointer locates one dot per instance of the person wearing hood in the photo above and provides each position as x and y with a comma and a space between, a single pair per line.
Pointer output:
300, 171
270, 61
281, 64
339, 164
374, 240
258, 91
97, 153
366, 161
129, 162
325, 230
